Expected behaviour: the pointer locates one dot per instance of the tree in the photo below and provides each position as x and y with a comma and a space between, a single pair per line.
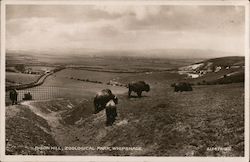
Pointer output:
20, 67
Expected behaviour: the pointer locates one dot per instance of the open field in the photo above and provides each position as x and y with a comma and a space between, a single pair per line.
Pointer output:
162, 122
108, 62
41, 68
59, 85
104, 77
19, 78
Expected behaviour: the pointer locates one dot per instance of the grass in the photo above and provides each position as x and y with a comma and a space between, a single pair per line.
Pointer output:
40, 68
228, 61
25, 130
162, 122
218, 78
59, 85
104, 77
176, 124
19, 78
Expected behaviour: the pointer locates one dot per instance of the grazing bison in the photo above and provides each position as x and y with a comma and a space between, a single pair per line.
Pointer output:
138, 87
182, 86
27, 96
102, 98
111, 113
13, 96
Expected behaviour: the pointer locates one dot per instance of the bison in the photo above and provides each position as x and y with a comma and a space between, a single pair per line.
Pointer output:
13, 96
102, 98
27, 96
138, 87
182, 86
111, 113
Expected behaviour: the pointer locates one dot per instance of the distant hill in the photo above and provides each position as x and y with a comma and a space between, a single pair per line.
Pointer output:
226, 61
216, 71
172, 53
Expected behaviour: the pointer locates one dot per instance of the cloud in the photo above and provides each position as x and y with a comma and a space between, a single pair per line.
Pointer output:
125, 27
64, 13
140, 12
191, 18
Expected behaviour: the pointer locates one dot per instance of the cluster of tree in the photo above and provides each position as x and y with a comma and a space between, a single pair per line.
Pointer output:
58, 69
20, 67
117, 84
10, 81
10, 70
86, 80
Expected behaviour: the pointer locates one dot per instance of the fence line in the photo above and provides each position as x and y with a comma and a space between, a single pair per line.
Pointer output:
38, 93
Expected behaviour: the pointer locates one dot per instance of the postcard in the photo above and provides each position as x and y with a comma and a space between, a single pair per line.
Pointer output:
124, 80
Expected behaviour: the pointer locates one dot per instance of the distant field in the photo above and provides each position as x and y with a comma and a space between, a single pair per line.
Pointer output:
41, 68
59, 85
92, 75
31, 68
106, 62
19, 78
212, 77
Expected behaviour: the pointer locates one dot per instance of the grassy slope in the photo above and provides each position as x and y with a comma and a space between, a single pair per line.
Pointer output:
226, 61
164, 122
25, 130
175, 124
215, 77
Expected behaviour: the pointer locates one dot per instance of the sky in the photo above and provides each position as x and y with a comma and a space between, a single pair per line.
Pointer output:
83, 28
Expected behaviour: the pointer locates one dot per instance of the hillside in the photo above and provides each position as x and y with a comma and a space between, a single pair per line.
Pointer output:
181, 125
160, 123
215, 71
26, 131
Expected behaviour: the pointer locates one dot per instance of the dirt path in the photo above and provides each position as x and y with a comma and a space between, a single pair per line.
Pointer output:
71, 135
58, 130
52, 118
64, 134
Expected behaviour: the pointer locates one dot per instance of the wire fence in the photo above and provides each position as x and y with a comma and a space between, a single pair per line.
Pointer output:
37, 93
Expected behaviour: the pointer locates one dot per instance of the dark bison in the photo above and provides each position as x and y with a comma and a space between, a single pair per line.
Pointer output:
111, 112
27, 96
102, 98
182, 86
13, 96
138, 87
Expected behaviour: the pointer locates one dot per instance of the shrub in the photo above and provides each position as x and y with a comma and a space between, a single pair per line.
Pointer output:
20, 67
